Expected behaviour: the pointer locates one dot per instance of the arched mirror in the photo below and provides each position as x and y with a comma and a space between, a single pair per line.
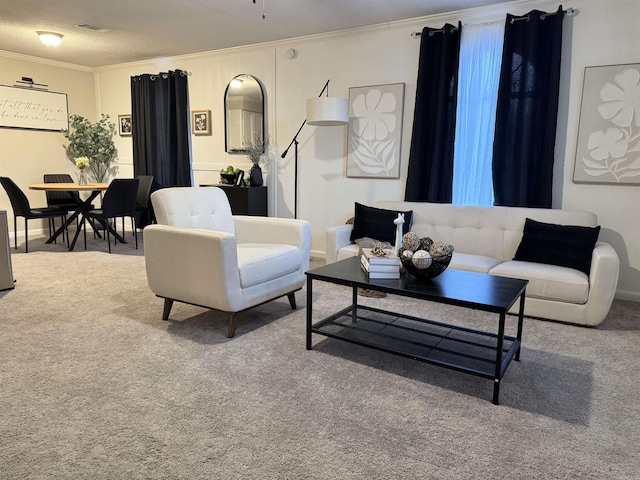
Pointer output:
244, 114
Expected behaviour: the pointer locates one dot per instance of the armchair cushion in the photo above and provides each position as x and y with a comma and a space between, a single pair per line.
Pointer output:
259, 263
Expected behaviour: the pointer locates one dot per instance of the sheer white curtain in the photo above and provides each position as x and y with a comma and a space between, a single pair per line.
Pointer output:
478, 76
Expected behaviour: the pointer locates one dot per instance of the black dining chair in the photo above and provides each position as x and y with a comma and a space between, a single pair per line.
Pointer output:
144, 214
21, 208
119, 201
67, 200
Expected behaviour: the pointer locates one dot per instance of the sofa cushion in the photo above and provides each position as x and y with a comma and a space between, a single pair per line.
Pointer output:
472, 263
563, 245
378, 223
549, 282
261, 262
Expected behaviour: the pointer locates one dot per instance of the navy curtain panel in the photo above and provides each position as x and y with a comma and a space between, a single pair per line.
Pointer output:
430, 170
160, 128
527, 110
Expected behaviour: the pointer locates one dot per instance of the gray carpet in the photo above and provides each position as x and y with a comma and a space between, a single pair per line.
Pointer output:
94, 385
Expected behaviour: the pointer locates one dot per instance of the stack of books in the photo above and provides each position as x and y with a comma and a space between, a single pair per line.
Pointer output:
380, 267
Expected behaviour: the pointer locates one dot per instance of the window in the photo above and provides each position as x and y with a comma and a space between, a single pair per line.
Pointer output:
478, 77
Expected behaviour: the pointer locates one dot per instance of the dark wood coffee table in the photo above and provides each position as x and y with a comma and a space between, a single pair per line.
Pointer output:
480, 353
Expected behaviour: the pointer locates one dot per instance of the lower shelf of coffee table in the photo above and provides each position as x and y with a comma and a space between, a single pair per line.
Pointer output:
451, 346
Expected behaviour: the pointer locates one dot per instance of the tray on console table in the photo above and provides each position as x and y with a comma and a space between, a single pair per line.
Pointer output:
480, 353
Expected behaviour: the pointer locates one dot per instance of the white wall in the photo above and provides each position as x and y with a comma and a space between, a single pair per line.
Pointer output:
25, 155
603, 32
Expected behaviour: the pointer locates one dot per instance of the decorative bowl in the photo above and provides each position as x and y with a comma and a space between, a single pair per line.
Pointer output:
438, 265
228, 178
423, 257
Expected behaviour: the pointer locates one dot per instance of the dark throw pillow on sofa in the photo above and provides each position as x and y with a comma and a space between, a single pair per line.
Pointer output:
378, 223
563, 245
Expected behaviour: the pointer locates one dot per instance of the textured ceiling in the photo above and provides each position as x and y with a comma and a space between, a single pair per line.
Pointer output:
136, 30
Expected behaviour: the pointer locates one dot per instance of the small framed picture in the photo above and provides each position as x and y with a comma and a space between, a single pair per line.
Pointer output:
201, 122
124, 125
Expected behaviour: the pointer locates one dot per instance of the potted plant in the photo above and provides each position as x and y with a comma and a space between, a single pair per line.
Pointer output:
93, 141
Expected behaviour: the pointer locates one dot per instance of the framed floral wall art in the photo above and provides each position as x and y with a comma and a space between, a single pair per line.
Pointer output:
608, 148
375, 131
125, 127
201, 122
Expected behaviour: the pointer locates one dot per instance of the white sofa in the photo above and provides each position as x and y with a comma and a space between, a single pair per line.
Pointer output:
486, 239
200, 254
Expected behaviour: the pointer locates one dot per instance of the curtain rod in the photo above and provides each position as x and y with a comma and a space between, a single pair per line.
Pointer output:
433, 32
153, 76
568, 11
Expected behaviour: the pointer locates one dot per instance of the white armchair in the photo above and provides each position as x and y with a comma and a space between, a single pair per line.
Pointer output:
200, 254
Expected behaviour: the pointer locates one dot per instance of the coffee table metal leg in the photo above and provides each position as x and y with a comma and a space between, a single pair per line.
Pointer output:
309, 300
520, 321
498, 370
354, 305
496, 391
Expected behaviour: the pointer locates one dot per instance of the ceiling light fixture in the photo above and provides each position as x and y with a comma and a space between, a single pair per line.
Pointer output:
50, 38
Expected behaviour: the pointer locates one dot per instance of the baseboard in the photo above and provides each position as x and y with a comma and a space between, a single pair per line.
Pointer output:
626, 295
319, 254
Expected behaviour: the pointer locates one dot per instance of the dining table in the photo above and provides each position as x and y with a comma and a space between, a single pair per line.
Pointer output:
94, 190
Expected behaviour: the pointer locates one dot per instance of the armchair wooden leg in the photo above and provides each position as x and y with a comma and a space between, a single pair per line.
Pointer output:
168, 303
292, 300
231, 331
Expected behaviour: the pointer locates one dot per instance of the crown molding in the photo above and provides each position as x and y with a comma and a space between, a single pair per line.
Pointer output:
496, 11
45, 61
470, 15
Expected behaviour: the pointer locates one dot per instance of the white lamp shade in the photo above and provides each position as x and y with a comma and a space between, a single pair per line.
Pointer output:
327, 111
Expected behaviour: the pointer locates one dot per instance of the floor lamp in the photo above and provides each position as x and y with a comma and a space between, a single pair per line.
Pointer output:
322, 112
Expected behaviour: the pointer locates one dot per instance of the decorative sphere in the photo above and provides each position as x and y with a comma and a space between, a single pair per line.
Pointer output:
411, 241
440, 249
421, 259
425, 243
423, 264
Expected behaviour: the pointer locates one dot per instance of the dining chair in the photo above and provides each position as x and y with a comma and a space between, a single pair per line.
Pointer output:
119, 201
144, 214
143, 203
22, 208
68, 200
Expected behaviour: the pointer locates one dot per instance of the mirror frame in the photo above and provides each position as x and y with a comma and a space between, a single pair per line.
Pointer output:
226, 115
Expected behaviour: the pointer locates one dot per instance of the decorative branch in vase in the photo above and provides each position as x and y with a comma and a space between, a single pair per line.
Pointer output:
93, 141
255, 151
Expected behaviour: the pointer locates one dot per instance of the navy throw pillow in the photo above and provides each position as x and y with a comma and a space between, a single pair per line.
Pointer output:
563, 245
378, 223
